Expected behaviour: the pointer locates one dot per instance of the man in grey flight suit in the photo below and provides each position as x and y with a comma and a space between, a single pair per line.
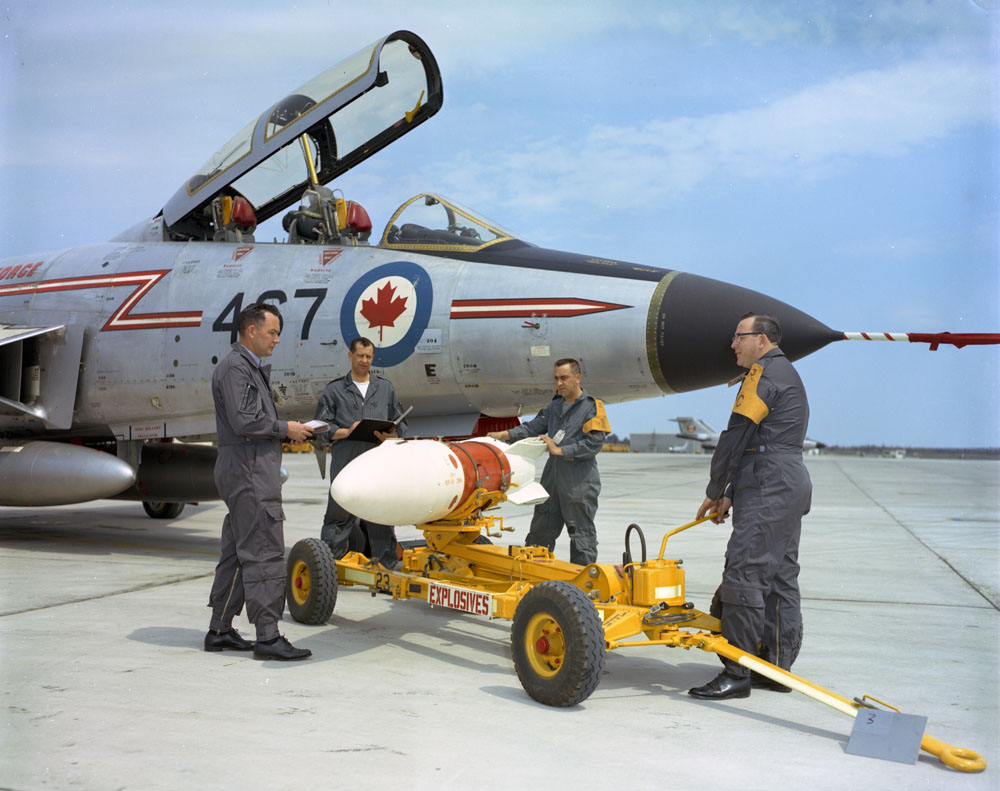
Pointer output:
757, 470
573, 426
345, 402
251, 566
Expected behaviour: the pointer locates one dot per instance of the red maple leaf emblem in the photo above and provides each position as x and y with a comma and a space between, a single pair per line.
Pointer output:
384, 309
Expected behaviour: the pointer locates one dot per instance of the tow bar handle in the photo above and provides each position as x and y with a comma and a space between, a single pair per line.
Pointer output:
663, 544
960, 758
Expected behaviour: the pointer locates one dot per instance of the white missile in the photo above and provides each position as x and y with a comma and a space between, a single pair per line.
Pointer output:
412, 482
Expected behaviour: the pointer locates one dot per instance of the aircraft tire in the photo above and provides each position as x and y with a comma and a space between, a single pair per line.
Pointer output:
557, 641
157, 510
311, 585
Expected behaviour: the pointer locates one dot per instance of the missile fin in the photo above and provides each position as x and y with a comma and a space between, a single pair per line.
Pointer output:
320, 450
532, 494
530, 448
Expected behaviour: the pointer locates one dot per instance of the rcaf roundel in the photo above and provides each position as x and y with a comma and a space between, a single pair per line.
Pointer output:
391, 306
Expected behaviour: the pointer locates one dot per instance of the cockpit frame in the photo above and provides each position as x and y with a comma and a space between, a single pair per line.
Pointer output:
463, 232
260, 150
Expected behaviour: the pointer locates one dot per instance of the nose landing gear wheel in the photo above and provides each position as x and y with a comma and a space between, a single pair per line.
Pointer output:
558, 644
157, 510
311, 584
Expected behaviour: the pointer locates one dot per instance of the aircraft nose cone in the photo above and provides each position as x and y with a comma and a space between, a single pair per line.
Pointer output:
693, 319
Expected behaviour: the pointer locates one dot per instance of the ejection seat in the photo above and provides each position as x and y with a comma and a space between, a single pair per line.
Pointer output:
418, 234
323, 218
234, 219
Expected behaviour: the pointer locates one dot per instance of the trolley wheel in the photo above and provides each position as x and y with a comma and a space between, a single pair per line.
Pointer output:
558, 644
162, 510
312, 582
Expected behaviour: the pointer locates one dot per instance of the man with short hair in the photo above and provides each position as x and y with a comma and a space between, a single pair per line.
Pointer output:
251, 566
757, 470
573, 426
346, 402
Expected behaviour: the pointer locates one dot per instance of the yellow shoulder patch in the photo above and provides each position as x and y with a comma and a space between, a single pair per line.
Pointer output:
748, 403
599, 422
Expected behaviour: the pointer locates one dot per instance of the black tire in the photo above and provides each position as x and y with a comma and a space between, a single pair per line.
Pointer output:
311, 585
558, 644
162, 510
481, 539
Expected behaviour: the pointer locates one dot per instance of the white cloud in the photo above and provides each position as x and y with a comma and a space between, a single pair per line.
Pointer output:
113, 88
828, 127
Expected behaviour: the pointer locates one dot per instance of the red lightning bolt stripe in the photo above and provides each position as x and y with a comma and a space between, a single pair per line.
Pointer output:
517, 308
123, 318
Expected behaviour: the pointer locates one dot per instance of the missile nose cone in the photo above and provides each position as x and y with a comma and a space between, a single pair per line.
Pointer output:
692, 320
399, 483
359, 483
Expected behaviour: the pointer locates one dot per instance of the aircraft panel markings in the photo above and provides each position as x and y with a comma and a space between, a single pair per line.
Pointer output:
516, 308
121, 319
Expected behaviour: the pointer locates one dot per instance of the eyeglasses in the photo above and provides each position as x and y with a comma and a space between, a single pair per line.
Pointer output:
739, 335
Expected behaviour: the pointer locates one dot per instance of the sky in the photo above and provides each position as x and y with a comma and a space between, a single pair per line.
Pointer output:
841, 157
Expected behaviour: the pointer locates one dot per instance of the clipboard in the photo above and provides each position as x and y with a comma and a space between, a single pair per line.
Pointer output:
365, 430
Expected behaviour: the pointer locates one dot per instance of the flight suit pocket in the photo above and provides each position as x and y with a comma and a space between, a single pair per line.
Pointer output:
275, 511
741, 595
746, 476
762, 470
248, 403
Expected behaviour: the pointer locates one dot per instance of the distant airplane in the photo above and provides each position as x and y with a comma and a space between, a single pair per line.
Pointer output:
693, 428
107, 350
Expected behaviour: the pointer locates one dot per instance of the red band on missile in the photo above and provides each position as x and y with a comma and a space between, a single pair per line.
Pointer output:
483, 467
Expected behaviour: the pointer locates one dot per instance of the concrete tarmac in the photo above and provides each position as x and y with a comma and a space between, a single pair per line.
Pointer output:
105, 685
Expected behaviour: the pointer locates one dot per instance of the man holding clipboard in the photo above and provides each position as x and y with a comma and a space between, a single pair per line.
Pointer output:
362, 410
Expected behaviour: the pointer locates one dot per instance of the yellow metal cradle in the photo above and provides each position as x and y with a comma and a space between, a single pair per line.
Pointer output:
565, 616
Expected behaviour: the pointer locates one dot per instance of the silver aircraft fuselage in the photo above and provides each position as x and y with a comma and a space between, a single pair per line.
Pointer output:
469, 338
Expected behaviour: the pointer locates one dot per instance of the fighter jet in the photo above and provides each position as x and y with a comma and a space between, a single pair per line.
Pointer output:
696, 429
107, 351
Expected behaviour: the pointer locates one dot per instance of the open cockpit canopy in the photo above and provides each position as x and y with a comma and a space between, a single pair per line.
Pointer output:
313, 135
430, 222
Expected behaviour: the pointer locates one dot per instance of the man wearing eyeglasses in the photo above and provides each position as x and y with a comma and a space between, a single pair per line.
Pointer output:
757, 470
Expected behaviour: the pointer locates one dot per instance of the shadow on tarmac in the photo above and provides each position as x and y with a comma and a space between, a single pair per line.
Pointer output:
113, 528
